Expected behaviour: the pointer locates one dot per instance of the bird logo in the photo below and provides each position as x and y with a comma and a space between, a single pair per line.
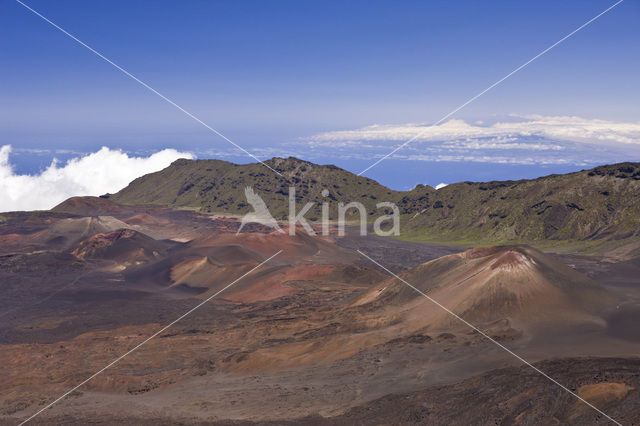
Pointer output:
260, 213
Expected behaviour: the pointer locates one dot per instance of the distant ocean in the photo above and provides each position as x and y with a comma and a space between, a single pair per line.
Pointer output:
396, 174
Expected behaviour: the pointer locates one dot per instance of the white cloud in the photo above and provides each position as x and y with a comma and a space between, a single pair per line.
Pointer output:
441, 185
103, 171
574, 129
532, 139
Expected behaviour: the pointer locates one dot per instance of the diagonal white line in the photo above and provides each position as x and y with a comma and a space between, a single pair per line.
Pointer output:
500, 345
493, 85
128, 74
147, 339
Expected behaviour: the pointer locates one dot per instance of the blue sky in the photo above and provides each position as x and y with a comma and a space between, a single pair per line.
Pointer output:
274, 75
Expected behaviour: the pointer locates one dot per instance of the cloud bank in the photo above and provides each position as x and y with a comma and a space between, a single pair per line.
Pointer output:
532, 139
106, 170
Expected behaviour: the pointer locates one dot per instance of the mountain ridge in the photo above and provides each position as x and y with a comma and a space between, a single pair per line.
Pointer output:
591, 204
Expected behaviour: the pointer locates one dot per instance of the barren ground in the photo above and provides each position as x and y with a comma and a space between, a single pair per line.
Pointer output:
304, 353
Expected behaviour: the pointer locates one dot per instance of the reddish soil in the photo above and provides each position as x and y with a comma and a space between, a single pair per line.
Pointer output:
318, 335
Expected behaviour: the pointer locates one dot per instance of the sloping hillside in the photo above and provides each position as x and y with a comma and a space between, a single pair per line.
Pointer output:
91, 206
218, 186
591, 204
513, 284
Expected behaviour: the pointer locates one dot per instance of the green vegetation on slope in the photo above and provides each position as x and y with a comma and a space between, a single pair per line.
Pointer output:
601, 203
591, 204
213, 186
